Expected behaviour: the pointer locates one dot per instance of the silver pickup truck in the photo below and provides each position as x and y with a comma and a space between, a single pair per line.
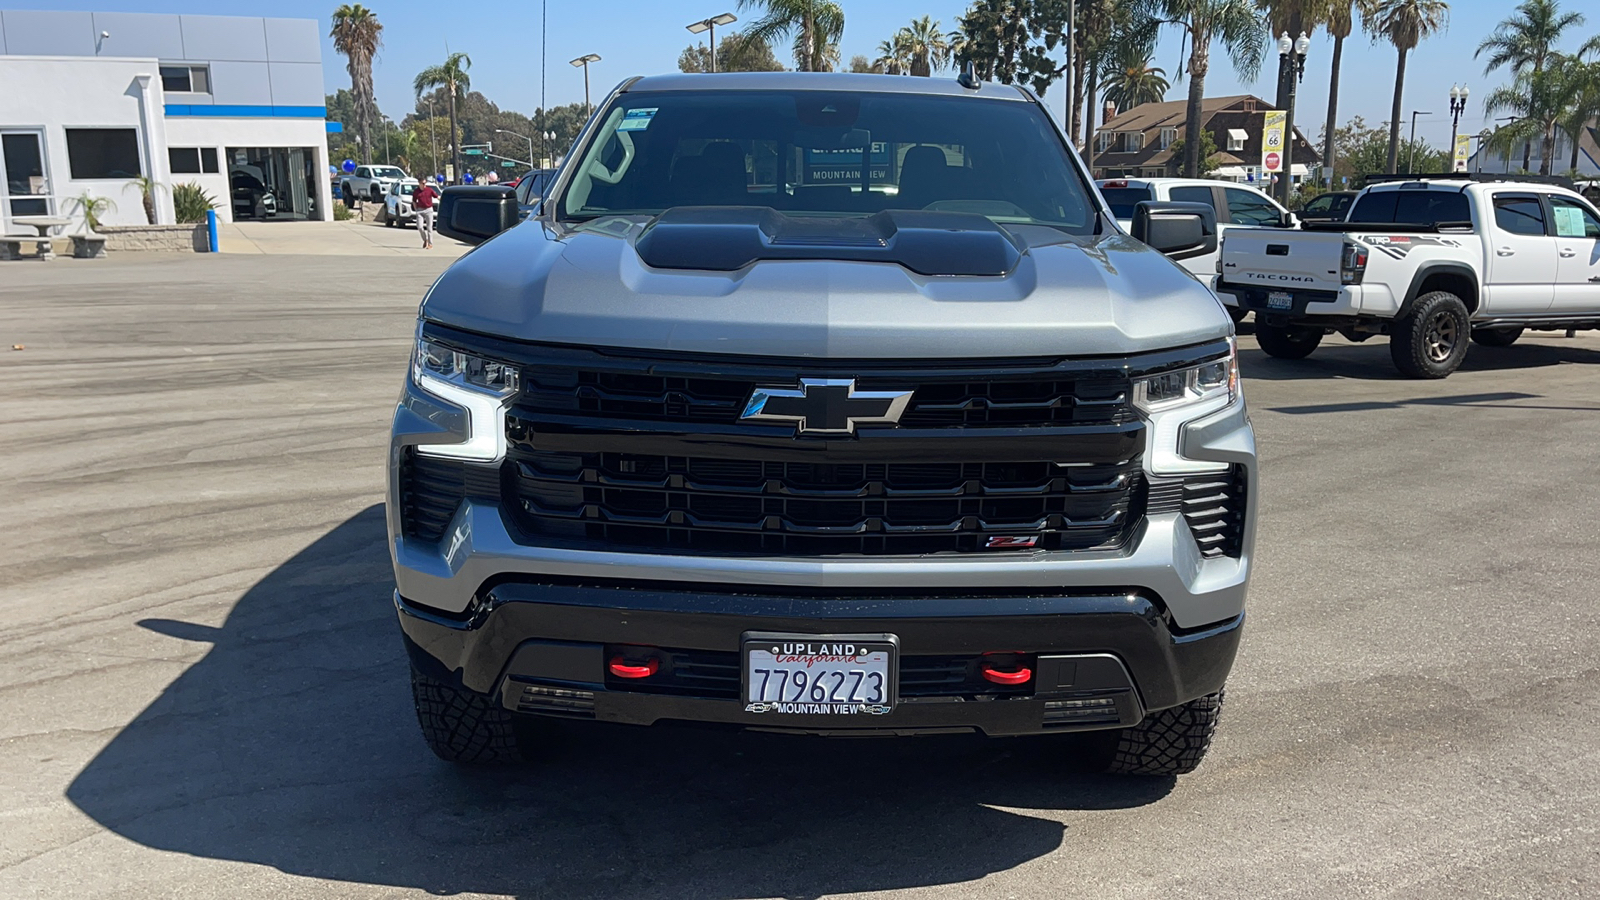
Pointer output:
822, 403
1426, 262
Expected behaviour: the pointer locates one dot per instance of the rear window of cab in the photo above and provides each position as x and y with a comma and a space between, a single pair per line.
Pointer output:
1412, 207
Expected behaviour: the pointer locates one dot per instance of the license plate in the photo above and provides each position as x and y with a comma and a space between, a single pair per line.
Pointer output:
1280, 300
820, 674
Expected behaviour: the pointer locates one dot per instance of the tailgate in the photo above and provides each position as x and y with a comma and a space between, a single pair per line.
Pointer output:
1275, 259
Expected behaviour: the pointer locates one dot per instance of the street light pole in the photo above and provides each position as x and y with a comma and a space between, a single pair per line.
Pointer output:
1411, 164
531, 163
1458, 105
1291, 69
583, 63
711, 26
433, 139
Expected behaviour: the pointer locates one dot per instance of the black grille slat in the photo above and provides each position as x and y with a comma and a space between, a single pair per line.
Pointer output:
1212, 505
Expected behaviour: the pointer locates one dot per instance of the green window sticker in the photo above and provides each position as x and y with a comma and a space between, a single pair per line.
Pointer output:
637, 119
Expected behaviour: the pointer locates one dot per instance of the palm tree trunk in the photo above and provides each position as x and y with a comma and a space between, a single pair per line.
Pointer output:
1333, 109
807, 37
1198, 63
1549, 148
1577, 137
1395, 114
455, 136
1092, 97
1075, 94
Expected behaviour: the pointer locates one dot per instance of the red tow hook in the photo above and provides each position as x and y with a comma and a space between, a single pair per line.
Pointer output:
621, 668
1020, 676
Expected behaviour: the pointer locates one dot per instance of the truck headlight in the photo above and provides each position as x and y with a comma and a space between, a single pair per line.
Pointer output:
1187, 387
1172, 399
480, 386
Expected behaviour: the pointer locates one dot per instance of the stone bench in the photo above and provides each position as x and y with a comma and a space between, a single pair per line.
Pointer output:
89, 246
11, 246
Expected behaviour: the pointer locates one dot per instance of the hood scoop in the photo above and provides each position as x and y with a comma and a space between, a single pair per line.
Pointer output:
728, 238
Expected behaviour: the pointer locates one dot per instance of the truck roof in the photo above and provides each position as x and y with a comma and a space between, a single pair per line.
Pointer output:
820, 81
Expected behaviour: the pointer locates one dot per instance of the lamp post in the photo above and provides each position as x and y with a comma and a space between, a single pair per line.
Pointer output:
531, 163
1291, 69
549, 136
1458, 105
711, 26
582, 62
1411, 164
433, 138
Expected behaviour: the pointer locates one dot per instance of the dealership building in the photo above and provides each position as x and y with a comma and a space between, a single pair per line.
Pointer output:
93, 101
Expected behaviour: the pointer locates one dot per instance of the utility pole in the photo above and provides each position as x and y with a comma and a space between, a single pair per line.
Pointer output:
711, 26
433, 138
1411, 164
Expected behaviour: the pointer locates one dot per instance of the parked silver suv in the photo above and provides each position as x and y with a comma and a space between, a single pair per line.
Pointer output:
834, 404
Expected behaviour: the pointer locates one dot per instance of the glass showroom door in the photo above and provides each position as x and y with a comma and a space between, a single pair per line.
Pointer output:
26, 184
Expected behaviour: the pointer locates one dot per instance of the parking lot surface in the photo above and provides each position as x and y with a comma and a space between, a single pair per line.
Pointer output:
204, 691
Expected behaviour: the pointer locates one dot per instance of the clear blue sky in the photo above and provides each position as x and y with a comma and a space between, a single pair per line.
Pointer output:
646, 36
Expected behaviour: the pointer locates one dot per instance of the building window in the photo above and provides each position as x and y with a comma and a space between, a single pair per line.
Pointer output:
1168, 135
192, 160
1132, 141
1103, 140
186, 79
103, 153
1236, 139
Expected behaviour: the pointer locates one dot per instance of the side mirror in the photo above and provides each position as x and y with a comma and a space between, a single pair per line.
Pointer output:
473, 214
1180, 230
1288, 220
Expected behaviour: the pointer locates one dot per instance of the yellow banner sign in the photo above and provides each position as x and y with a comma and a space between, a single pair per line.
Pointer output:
1463, 150
1272, 138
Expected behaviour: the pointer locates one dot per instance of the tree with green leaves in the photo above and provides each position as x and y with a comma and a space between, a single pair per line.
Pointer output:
926, 45
894, 55
1404, 24
1238, 29
1524, 43
1584, 105
1131, 79
1209, 161
357, 34
734, 54
815, 25
1340, 19
452, 76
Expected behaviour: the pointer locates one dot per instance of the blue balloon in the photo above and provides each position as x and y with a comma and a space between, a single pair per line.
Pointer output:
348, 165
467, 178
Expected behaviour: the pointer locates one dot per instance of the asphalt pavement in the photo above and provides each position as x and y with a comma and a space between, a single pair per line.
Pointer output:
204, 694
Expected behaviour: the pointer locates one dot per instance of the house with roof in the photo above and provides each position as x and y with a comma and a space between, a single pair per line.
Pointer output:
1139, 143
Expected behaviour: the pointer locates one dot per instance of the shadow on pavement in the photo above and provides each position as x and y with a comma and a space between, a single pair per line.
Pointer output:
292, 744
1369, 361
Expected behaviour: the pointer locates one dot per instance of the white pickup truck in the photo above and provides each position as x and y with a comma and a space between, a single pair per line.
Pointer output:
370, 183
1427, 262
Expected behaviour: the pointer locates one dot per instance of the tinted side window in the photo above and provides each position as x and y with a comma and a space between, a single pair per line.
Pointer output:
1573, 220
1519, 213
1320, 204
1194, 194
1246, 208
1412, 208
1123, 200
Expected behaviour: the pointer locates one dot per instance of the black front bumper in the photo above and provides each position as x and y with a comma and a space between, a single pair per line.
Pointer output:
1101, 660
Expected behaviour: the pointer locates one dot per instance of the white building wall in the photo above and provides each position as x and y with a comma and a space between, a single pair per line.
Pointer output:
55, 93
223, 133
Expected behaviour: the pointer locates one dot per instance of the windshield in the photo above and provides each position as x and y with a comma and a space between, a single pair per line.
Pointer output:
387, 172
406, 190
828, 153
1123, 200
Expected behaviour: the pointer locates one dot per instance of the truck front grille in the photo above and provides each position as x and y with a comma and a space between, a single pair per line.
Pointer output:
802, 508
1213, 505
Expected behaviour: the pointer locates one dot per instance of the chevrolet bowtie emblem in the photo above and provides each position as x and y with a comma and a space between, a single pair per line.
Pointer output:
825, 406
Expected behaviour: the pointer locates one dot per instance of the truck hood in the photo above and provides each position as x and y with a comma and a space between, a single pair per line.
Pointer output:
587, 286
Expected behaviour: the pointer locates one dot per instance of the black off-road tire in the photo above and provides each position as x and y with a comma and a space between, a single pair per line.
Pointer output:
463, 726
1495, 337
1287, 341
347, 196
377, 194
1169, 742
1431, 341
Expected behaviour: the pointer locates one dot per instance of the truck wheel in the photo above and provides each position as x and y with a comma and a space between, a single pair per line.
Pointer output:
1237, 314
463, 726
1495, 337
1169, 742
377, 195
347, 195
1287, 341
388, 221
1431, 341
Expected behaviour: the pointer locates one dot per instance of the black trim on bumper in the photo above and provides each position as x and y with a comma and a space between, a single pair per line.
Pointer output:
541, 648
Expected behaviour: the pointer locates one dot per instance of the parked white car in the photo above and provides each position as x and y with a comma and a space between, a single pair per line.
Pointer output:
397, 205
1426, 262
1236, 205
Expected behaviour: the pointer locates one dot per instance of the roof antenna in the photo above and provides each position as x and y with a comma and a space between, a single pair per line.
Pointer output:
968, 77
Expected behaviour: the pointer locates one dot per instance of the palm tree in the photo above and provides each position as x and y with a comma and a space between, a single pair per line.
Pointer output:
1524, 43
1234, 24
1537, 101
817, 26
452, 76
357, 34
1340, 17
1131, 80
930, 50
1584, 106
894, 55
1404, 23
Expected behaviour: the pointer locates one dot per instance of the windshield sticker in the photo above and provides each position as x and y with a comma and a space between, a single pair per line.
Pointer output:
1569, 221
637, 119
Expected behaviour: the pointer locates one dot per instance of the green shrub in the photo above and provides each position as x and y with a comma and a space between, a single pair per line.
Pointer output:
342, 213
191, 202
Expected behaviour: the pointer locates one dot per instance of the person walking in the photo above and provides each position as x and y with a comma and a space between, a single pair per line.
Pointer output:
422, 202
